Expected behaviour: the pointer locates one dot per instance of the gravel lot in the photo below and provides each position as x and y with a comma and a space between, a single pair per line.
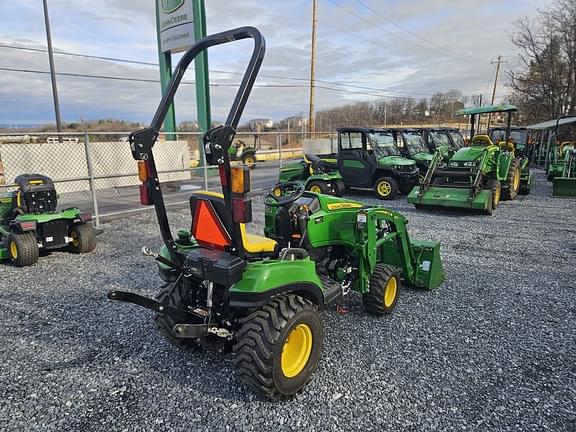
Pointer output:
492, 349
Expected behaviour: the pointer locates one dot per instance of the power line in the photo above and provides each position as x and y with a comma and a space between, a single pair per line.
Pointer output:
360, 17
395, 24
121, 60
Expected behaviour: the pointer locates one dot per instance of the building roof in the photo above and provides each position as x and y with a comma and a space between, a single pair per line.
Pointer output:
550, 124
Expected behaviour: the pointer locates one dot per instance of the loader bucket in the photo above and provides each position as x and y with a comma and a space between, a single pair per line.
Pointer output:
429, 273
564, 187
441, 196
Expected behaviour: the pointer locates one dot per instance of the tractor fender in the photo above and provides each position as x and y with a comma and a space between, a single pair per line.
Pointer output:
254, 300
504, 161
380, 172
327, 177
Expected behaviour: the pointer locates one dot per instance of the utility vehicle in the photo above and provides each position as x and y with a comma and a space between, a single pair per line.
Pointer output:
477, 176
436, 138
29, 222
262, 295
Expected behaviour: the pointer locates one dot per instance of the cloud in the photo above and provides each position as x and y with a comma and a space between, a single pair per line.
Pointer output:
457, 42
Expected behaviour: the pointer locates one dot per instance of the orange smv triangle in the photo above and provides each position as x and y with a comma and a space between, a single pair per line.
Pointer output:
207, 227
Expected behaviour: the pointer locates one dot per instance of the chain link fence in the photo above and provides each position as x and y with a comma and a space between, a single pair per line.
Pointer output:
96, 170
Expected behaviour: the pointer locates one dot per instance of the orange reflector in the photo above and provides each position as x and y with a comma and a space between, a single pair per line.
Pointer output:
142, 171
207, 228
240, 180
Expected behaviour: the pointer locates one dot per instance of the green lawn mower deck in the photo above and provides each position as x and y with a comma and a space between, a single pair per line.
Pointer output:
29, 223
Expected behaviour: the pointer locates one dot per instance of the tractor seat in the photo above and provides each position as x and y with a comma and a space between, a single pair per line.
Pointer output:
317, 165
212, 224
36, 194
482, 141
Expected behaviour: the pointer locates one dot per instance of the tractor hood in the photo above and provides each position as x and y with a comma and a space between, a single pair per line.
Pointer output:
423, 157
467, 154
389, 161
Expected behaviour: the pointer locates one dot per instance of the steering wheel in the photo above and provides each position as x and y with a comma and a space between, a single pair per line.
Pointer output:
293, 189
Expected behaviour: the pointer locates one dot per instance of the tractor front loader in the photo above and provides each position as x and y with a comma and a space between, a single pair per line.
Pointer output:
262, 296
565, 184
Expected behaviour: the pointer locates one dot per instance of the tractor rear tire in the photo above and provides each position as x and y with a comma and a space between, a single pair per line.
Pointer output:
176, 296
278, 346
386, 188
496, 188
511, 186
83, 238
318, 187
384, 289
23, 248
249, 160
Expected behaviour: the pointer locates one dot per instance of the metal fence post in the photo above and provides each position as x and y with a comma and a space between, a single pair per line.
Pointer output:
88, 151
279, 141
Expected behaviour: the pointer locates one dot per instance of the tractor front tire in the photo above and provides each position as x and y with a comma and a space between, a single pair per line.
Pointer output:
511, 186
318, 187
278, 346
83, 238
174, 294
384, 289
386, 188
23, 248
340, 188
496, 188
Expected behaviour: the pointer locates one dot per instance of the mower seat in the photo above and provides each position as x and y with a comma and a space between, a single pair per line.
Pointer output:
36, 194
214, 232
482, 141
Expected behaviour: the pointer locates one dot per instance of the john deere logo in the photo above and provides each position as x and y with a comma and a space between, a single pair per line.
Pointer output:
169, 6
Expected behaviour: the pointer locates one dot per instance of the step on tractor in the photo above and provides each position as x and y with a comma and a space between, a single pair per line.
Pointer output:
368, 159
316, 174
30, 223
476, 177
523, 148
262, 296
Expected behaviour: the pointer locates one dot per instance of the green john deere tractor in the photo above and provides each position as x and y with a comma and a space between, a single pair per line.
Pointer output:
262, 295
477, 176
317, 175
558, 159
29, 222
523, 148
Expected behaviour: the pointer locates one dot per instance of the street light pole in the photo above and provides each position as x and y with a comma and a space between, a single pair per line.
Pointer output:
52, 71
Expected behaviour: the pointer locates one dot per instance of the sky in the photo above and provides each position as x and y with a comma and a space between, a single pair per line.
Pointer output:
367, 49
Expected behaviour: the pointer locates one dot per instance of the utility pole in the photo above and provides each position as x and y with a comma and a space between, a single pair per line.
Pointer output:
494, 90
311, 115
52, 71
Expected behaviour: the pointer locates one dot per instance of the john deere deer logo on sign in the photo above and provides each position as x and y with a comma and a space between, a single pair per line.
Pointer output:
169, 6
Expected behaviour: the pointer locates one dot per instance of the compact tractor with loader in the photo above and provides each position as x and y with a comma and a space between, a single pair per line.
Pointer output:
476, 177
315, 174
261, 296
564, 185
29, 222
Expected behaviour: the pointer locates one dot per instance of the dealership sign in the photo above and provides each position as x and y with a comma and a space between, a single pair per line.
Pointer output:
176, 25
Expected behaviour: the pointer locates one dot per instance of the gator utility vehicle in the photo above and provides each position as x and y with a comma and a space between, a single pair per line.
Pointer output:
436, 138
412, 146
368, 159
29, 222
522, 150
476, 177
316, 174
263, 295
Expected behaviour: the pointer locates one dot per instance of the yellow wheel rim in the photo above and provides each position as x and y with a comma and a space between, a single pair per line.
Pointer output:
296, 351
75, 241
13, 250
384, 188
390, 291
516, 181
497, 193
249, 161
315, 189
